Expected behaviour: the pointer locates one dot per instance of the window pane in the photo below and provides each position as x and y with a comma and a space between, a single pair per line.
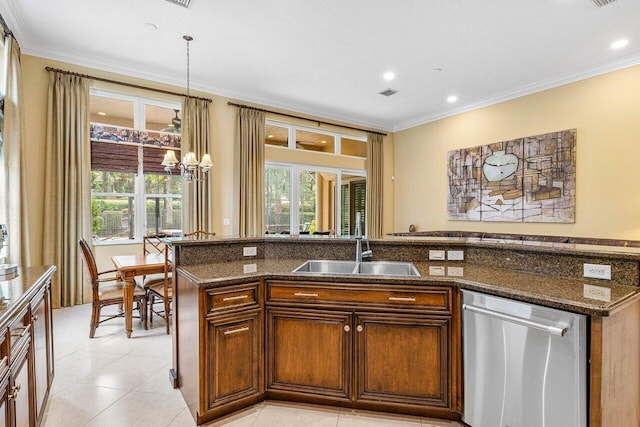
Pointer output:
307, 202
315, 141
353, 147
163, 215
112, 217
111, 111
162, 119
112, 182
276, 135
277, 198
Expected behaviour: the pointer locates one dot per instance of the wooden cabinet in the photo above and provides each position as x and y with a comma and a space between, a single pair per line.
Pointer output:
379, 347
41, 324
309, 351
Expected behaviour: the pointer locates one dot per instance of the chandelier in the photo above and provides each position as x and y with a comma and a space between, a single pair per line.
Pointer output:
191, 169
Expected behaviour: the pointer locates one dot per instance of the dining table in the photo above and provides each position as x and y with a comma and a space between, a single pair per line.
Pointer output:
129, 267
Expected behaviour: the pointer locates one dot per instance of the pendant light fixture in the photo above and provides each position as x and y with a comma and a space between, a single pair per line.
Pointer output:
190, 168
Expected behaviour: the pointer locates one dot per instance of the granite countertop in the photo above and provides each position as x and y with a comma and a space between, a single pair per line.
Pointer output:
16, 289
544, 289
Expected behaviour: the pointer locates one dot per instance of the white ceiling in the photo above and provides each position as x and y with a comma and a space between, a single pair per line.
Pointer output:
327, 57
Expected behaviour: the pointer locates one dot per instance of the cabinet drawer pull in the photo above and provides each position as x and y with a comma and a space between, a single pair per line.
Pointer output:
236, 331
14, 392
347, 328
23, 332
409, 299
34, 318
359, 328
235, 298
305, 294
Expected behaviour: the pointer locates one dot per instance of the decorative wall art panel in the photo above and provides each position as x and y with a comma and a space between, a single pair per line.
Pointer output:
528, 179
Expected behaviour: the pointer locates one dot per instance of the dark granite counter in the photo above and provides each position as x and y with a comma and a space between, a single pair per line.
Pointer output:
550, 290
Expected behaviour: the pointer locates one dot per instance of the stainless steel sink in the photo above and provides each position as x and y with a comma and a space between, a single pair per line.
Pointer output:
371, 268
388, 268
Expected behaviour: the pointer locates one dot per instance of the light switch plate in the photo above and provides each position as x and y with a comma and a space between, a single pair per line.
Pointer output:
597, 271
435, 270
455, 255
249, 251
436, 255
600, 293
226, 221
250, 268
455, 271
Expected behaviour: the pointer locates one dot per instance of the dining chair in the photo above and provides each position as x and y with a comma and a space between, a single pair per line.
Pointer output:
200, 234
152, 244
162, 290
108, 294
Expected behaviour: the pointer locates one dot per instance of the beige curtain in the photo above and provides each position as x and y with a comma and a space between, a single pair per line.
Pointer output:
67, 203
196, 196
374, 186
250, 140
15, 212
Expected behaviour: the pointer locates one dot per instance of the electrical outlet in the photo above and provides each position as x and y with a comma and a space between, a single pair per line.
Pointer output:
597, 271
435, 270
600, 293
249, 251
455, 271
226, 221
436, 255
455, 255
250, 268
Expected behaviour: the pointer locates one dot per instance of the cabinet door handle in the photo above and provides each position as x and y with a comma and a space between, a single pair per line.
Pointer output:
409, 299
305, 294
236, 331
14, 391
235, 298
23, 332
34, 318
359, 328
347, 328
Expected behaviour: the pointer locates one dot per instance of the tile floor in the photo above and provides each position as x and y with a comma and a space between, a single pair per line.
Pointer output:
113, 381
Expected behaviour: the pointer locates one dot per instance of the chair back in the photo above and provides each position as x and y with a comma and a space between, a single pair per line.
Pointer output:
200, 234
153, 244
90, 261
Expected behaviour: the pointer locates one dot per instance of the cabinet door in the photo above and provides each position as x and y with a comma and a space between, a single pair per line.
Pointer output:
309, 351
234, 353
403, 359
4, 400
42, 353
21, 399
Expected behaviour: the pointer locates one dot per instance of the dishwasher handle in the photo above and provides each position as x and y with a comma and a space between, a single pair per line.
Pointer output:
553, 330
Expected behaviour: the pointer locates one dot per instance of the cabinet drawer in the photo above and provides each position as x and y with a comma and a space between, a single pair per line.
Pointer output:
19, 331
233, 297
431, 298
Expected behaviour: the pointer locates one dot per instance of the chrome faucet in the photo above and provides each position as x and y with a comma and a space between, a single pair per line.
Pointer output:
359, 254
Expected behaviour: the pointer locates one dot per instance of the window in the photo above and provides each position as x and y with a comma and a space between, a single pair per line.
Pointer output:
308, 189
131, 194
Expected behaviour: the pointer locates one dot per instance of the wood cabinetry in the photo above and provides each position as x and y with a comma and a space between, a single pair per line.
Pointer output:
218, 350
372, 346
26, 348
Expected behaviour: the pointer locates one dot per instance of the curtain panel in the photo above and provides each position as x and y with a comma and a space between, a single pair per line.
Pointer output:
67, 203
250, 142
196, 196
14, 163
374, 185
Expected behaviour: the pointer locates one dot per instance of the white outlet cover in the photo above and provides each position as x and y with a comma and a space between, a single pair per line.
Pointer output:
226, 221
597, 271
455, 271
249, 251
435, 270
455, 255
601, 293
250, 268
436, 255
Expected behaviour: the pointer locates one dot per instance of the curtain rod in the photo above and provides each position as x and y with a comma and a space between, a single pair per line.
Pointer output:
5, 28
249, 107
87, 76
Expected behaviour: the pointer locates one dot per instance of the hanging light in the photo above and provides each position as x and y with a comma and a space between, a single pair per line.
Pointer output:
190, 168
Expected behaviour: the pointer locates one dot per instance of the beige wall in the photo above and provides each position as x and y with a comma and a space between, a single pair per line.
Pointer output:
222, 124
605, 110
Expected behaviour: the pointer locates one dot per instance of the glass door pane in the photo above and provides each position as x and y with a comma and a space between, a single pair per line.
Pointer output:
317, 202
277, 200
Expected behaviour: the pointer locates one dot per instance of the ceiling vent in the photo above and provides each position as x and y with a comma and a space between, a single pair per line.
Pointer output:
184, 3
601, 3
388, 92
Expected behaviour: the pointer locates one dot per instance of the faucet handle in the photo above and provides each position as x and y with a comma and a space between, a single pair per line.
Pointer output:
367, 254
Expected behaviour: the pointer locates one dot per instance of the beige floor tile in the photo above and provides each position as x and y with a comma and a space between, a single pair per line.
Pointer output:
158, 382
127, 372
284, 414
140, 410
81, 363
244, 418
78, 404
357, 418
183, 419
431, 422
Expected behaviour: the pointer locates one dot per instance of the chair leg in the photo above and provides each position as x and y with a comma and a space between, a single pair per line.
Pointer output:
152, 300
166, 312
143, 313
95, 319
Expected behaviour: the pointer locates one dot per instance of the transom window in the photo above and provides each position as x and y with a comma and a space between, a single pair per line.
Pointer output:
313, 194
131, 194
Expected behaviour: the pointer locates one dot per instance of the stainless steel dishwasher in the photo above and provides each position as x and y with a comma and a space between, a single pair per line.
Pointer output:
524, 365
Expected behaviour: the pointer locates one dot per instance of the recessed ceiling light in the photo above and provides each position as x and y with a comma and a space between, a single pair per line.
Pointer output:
171, 125
389, 75
452, 98
436, 70
150, 26
101, 113
619, 44
269, 136
323, 142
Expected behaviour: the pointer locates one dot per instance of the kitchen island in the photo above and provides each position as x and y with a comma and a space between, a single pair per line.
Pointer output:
248, 329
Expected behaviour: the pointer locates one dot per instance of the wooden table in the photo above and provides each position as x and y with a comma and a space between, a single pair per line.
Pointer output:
129, 267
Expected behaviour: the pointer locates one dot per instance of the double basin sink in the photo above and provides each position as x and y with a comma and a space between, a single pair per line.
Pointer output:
371, 268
